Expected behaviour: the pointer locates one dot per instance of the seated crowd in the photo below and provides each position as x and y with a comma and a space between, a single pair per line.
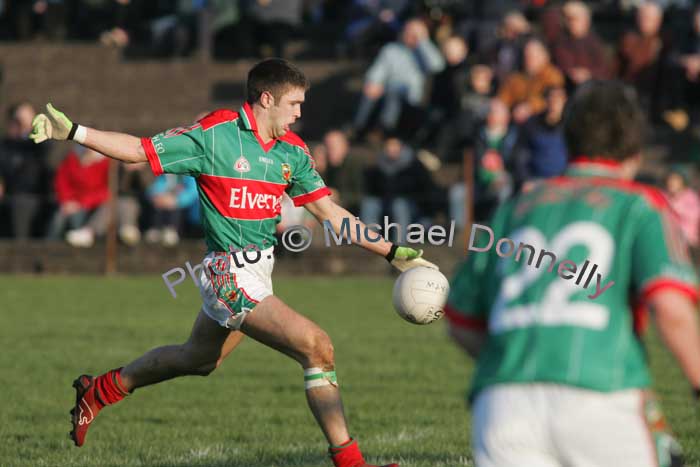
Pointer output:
436, 95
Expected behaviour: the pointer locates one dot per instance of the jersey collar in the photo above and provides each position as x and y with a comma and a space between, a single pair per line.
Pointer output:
585, 166
249, 123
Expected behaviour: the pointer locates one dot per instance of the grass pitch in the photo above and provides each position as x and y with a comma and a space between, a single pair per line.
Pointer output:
403, 385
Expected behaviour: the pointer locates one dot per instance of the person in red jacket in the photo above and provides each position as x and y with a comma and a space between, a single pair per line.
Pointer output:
82, 190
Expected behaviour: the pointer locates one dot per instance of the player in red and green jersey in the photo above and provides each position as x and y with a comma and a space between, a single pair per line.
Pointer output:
562, 378
243, 162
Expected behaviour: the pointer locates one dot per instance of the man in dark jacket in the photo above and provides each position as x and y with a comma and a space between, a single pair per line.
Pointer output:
395, 186
578, 51
542, 150
23, 170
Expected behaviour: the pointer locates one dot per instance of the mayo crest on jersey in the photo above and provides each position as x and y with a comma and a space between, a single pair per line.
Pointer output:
241, 179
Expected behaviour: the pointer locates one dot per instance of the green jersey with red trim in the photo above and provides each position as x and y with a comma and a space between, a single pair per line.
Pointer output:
543, 328
241, 179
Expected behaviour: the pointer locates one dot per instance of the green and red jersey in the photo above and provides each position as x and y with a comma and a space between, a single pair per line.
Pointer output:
543, 328
241, 179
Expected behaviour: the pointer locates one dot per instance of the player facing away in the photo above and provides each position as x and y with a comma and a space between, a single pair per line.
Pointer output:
562, 379
243, 162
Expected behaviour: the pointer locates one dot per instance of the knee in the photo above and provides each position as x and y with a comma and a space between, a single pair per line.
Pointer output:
320, 351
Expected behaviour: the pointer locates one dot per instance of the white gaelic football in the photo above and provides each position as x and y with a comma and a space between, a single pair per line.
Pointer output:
420, 294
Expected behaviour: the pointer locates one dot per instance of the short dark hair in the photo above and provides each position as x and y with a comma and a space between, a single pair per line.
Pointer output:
276, 76
14, 107
604, 119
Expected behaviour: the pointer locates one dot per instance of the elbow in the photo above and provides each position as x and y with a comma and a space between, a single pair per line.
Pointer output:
139, 155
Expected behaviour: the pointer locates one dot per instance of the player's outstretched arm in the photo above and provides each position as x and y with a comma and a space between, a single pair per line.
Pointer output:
677, 321
55, 125
401, 257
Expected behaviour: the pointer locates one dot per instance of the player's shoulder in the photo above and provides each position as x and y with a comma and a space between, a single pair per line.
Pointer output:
649, 196
295, 140
217, 117
655, 197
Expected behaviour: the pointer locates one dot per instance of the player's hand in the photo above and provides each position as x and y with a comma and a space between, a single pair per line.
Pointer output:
404, 258
52, 125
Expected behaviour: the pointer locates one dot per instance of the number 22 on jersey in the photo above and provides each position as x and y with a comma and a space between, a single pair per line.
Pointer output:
516, 306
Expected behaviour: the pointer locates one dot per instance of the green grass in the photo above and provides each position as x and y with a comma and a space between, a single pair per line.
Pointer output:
403, 385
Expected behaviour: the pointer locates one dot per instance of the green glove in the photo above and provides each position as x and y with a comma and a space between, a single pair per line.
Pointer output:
404, 258
52, 125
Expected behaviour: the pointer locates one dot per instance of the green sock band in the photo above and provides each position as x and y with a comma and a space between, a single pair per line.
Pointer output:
316, 377
329, 375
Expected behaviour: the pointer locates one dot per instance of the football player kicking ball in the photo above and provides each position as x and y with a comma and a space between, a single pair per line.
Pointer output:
562, 376
244, 162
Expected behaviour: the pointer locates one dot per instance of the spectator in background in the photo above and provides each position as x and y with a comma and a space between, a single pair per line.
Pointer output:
578, 51
171, 197
24, 172
475, 104
342, 174
174, 27
505, 54
495, 146
523, 92
477, 98
226, 28
373, 22
685, 74
542, 150
82, 191
117, 33
684, 202
491, 147
272, 22
398, 75
395, 186
90, 19
551, 23
447, 89
133, 182
25, 19
641, 56
319, 153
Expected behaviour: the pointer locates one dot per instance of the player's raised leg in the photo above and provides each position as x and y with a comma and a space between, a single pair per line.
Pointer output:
208, 345
276, 325
206, 348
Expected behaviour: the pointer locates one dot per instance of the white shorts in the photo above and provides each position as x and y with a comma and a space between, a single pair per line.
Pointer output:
230, 292
549, 425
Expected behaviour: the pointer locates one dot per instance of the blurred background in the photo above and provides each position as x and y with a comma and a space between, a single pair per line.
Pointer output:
426, 111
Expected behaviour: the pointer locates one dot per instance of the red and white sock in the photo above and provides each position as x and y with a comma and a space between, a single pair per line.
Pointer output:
110, 388
347, 454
